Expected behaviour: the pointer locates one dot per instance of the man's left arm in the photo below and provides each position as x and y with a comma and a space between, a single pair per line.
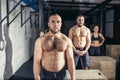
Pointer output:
88, 40
70, 59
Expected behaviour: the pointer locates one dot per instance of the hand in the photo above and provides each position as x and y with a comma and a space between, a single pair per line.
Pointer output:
77, 51
91, 44
37, 77
100, 44
81, 53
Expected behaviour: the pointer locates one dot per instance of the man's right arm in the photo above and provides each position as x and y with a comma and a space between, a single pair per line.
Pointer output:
70, 35
37, 58
70, 60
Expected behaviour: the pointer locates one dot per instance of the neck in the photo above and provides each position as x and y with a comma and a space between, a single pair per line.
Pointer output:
54, 34
79, 25
95, 32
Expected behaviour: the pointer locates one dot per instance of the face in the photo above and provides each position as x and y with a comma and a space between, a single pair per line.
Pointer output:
55, 23
80, 20
96, 29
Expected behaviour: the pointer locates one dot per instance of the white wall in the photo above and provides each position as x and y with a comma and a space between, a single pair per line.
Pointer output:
19, 38
2, 53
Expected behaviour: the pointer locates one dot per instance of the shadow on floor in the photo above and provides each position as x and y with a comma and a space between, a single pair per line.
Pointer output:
25, 72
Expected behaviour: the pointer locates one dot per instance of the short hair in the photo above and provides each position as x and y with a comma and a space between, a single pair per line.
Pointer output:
54, 14
80, 15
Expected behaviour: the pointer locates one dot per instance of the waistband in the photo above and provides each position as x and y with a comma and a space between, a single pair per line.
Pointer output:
78, 48
43, 69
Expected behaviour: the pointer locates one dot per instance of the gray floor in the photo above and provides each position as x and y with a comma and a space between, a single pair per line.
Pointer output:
26, 71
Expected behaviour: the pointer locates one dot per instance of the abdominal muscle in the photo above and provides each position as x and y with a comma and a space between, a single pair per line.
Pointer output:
95, 43
53, 61
79, 42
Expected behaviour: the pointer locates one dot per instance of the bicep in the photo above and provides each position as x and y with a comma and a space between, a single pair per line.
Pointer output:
70, 35
69, 50
37, 51
89, 36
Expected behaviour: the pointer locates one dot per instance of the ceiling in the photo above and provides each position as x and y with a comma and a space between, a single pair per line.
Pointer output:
72, 7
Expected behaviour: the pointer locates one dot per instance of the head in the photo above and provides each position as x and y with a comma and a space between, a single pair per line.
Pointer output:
54, 23
96, 28
80, 20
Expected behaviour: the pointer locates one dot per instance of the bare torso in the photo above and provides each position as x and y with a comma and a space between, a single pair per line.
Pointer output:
95, 43
79, 36
53, 58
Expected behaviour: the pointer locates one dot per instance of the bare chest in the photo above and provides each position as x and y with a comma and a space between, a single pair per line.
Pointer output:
51, 43
80, 32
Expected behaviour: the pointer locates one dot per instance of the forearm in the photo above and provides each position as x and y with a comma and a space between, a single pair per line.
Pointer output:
102, 42
103, 39
71, 68
36, 71
87, 46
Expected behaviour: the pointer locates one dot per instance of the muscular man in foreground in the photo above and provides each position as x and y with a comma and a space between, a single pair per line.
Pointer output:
52, 52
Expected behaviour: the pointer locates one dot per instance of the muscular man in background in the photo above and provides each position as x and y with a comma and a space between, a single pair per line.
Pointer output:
52, 52
81, 38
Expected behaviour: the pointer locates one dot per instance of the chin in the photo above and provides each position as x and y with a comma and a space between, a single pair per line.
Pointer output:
55, 32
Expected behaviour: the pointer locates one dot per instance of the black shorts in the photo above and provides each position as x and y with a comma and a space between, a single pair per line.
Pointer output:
47, 75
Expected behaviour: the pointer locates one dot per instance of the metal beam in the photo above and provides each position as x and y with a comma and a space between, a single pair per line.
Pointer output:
70, 2
26, 20
10, 11
16, 16
41, 16
55, 5
73, 2
103, 3
107, 9
7, 11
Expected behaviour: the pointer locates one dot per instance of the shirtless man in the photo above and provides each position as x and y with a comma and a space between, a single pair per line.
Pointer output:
52, 52
81, 38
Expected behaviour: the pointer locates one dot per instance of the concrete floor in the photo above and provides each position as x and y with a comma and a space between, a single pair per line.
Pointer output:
26, 71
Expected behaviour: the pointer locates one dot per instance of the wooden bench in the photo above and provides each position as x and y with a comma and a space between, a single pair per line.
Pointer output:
88, 75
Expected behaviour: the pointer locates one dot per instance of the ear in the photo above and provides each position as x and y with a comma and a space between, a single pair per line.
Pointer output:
48, 24
76, 19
